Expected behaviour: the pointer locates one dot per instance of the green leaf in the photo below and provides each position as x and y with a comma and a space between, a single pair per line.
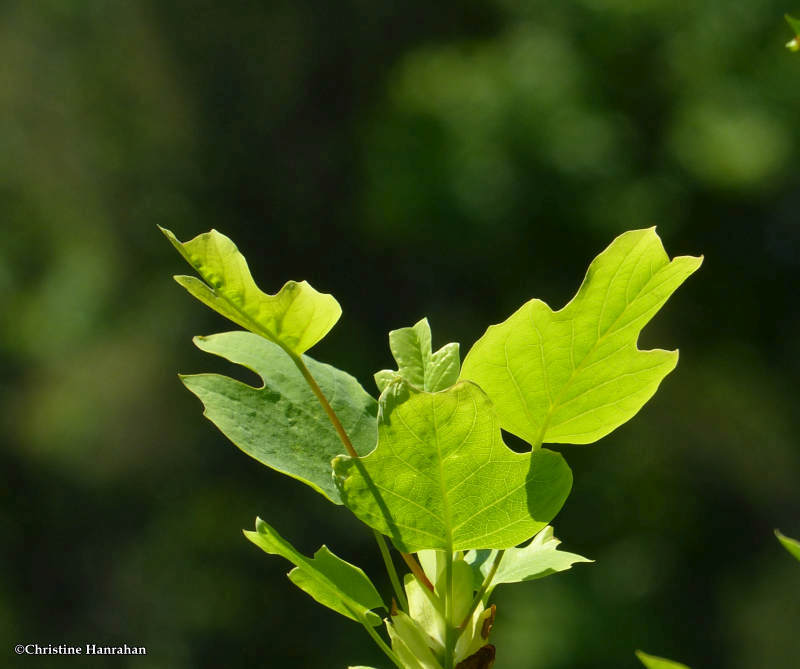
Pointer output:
791, 545
416, 364
574, 375
296, 318
330, 580
281, 424
441, 476
539, 558
653, 662
794, 24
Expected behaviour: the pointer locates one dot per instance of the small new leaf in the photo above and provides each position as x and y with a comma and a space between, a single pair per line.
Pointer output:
653, 662
791, 545
330, 580
296, 318
794, 24
574, 375
441, 476
281, 424
416, 363
539, 558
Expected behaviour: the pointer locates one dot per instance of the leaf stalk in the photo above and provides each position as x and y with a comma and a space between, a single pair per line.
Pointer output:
482, 590
390, 568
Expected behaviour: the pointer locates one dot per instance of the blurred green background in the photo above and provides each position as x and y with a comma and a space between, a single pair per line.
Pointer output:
448, 159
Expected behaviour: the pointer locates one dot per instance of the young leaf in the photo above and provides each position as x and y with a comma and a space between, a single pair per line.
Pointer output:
537, 559
330, 580
411, 349
653, 662
794, 24
574, 375
296, 318
791, 545
441, 476
281, 424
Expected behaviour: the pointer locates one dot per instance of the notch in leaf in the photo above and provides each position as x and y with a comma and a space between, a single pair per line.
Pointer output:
295, 318
416, 363
281, 424
574, 375
441, 476
330, 580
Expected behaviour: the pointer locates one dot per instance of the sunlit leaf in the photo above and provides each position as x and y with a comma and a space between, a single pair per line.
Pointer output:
281, 424
653, 662
416, 363
330, 580
574, 375
791, 545
441, 476
296, 318
537, 559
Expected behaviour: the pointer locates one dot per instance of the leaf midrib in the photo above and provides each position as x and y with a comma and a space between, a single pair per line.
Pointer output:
579, 368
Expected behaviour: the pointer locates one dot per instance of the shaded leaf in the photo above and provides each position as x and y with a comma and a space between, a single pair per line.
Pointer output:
281, 424
791, 545
330, 580
574, 375
441, 476
416, 364
296, 318
539, 558
410, 643
653, 662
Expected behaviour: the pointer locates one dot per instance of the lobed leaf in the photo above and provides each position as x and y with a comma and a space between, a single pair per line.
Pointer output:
574, 375
416, 363
441, 476
791, 545
281, 424
330, 580
296, 318
653, 662
539, 558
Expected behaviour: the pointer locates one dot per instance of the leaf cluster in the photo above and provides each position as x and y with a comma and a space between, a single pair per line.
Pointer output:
426, 465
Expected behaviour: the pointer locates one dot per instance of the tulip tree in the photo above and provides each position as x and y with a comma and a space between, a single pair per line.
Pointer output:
424, 465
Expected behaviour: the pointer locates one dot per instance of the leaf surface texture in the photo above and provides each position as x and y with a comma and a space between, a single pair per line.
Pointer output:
281, 424
574, 375
441, 476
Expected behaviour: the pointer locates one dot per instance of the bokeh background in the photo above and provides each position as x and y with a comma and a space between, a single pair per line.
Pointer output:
448, 159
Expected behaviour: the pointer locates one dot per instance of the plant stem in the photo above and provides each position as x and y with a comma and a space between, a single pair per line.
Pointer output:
387, 560
382, 645
413, 565
450, 632
484, 587
298, 360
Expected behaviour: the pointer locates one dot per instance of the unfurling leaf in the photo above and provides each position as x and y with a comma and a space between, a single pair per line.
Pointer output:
791, 545
539, 558
296, 318
653, 662
330, 580
574, 375
416, 363
441, 476
281, 424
